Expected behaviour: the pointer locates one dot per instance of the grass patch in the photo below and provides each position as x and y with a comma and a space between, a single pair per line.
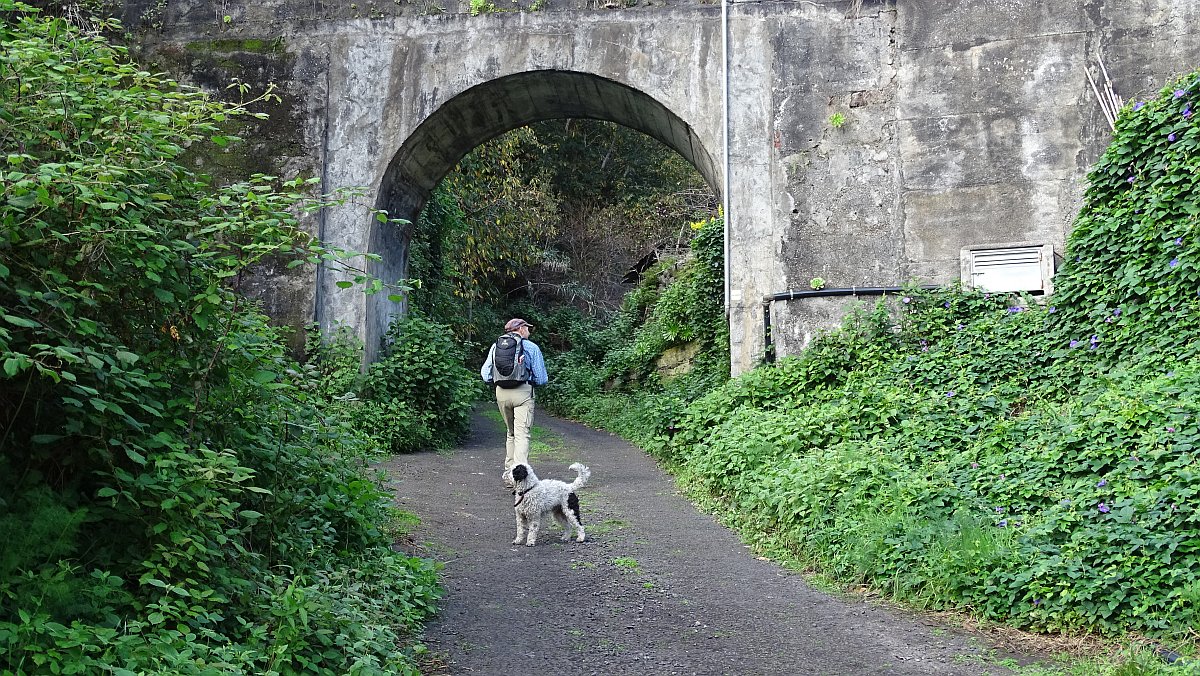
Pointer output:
626, 563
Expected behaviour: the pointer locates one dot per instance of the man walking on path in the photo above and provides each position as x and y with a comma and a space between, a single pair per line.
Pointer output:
516, 402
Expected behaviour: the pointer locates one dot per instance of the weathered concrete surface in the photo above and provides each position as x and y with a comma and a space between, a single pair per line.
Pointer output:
966, 121
978, 127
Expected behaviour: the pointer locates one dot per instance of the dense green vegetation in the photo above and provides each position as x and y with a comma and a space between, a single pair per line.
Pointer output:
176, 495
546, 218
416, 396
611, 373
1030, 463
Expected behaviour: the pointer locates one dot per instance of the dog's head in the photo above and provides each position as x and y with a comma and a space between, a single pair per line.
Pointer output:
520, 473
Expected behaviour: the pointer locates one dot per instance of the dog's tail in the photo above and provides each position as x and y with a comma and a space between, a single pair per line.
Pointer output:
581, 480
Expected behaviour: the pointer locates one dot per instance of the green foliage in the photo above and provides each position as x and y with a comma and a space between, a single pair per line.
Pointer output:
1030, 463
621, 195
689, 308
1132, 267
482, 7
487, 225
554, 213
622, 353
594, 163
142, 397
422, 370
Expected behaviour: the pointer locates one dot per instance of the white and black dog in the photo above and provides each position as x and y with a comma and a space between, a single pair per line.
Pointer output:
533, 499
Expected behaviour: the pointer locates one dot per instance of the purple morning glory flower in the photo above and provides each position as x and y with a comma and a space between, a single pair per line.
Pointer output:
1170, 429
1138, 105
1003, 523
1171, 137
1174, 261
1117, 312
1052, 310
1074, 343
946, 304
1002, 477
1037, 602
974, 465
1178, 241
1179, 93
1130, 179
999, 510
951, 394
1103, 508
1094, 340
906, 300
1102, 482
1187, 112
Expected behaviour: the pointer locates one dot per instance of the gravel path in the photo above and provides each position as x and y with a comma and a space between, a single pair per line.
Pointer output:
658, 588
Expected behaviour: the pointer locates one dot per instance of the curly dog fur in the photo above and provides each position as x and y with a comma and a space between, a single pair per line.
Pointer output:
533, 499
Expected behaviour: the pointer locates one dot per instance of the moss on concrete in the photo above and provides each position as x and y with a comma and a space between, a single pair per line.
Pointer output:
257, 46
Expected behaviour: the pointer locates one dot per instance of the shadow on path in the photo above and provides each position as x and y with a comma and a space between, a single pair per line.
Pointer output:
658, 588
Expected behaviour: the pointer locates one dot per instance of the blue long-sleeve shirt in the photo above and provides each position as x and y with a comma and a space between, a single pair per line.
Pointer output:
533, 361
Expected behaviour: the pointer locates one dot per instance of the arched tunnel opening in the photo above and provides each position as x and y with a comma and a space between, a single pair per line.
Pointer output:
486, 112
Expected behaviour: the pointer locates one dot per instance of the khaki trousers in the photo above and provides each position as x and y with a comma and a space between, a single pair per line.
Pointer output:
516, 405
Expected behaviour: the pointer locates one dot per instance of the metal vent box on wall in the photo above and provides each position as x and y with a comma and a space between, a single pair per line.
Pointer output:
998, 268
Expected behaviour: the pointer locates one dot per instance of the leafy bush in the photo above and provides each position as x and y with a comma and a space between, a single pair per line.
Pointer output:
377, 417
143, 399
422, 370
608, 374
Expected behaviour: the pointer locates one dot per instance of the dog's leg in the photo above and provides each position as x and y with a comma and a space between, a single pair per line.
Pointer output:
563, 523
574, 515
534, 525
572, 521
520, 529
568, 518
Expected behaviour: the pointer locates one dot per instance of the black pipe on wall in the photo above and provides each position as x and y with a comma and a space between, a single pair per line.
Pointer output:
769, 343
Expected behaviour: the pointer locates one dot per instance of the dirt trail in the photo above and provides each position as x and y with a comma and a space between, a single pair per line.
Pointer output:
659, 588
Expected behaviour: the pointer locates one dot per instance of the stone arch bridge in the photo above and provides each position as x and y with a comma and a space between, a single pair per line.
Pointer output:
965, 121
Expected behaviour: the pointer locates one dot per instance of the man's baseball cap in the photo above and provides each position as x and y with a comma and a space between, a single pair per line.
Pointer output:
516, 323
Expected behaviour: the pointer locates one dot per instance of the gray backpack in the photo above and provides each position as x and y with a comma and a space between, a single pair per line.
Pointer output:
508, 361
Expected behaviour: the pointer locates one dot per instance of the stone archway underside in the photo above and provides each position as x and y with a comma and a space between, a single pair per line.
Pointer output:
492, 108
